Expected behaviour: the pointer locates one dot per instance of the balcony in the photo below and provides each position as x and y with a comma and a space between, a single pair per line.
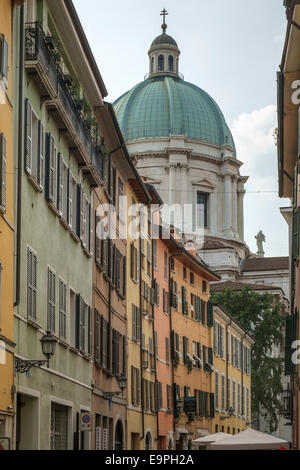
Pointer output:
39, 60
56, 93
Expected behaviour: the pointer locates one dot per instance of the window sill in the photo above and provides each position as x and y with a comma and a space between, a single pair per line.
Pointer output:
64, 223
33, 324
87, 252
98, 266
34, 183
74, 236
54, 208
63, 343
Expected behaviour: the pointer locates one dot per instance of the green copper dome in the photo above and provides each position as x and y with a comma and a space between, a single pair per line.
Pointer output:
163, 106
164, 39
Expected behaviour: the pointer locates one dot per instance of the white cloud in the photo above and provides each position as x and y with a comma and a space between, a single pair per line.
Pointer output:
255, 144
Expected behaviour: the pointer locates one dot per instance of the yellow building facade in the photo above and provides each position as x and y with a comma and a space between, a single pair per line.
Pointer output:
231, 377
142, 389
6, 227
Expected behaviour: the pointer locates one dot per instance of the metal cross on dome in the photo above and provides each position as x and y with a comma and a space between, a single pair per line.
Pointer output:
164, 13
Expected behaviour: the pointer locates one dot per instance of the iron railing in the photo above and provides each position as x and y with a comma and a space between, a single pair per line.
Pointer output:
36, 49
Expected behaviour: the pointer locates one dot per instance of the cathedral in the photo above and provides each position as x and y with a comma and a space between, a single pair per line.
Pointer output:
181, 144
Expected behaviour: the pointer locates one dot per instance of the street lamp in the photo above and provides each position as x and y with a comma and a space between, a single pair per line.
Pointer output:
122, 381
48, 343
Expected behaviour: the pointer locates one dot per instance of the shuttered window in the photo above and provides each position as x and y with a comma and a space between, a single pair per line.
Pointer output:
97, 325
167, 350
41, 153
233, 395
4, 60
228, 392
31, 284
62, 309
184, 302
2, 172
51, 301
212, 405
239, 399
223, 392
50, 179
209, 314
202, 306
185, 349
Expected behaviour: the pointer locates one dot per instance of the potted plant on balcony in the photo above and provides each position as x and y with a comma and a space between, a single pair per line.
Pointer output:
191, 416
176, 360
189, 365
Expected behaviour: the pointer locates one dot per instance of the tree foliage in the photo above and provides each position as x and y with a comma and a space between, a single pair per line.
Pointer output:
262, 318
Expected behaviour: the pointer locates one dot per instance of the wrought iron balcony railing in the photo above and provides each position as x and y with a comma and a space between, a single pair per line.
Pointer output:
38, 57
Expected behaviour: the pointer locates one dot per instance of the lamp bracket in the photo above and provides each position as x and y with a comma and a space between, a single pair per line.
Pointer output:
22, 366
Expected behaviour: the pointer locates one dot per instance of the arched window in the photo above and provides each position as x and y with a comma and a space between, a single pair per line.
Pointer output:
152, 65
171, 63
148, 441
161, 63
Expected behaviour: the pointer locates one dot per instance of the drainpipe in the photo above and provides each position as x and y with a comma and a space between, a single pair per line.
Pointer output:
141, 335
226, 331
171, 329
20, 160
242, 374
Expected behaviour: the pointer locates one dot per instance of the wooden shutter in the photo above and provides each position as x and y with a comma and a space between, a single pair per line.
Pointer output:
41, 149
134, 335
96, 337
31, 284
89, 349
132, 373
51, 300
2, 171
209, 314
59, 203
28, 137
138, 323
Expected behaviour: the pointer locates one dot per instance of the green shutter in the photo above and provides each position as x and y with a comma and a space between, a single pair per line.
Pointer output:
210, 356
185, 349
209, 314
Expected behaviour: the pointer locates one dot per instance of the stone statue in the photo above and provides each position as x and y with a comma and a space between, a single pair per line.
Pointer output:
260, 238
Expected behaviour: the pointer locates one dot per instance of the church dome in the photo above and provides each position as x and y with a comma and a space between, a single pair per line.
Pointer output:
164, 39
164, 105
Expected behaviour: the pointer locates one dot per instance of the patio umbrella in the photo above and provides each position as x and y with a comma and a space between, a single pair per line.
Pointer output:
210, 438
249, 440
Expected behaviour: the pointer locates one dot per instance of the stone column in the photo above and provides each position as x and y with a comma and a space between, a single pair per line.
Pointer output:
241, 194
227, 205
234, 207
172, 183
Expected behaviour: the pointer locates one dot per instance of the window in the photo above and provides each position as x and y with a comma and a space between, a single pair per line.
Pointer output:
204, 286
62, 187
2, 172
192, 278
247, 402
50, 179
72, 206
233, 395
31, 284
154, 247
4, 59
152, 65
165, 266
167, 350
228, 392
243, 399
83, 329
122, 203
134, 262
171, 63
72, 318
115, 352
136, 323
184, 301
62, 309
149, 259
34, 145
185, 349
51, 301
202, 210
184, 273
161, 63
239, 399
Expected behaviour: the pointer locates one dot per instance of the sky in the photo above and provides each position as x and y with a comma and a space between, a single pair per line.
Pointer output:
231, 49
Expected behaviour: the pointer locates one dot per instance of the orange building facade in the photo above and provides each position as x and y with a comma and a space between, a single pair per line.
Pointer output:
191, 319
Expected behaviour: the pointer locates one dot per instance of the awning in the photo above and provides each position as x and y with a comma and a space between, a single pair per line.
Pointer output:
210, 438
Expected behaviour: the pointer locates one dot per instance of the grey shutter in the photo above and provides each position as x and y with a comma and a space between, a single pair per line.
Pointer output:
28, 137
117, 353
132, 385
59, 202
138, 386
124, 276
2, 171
50, 168
41, 147
138, 324
89, 331
77, 322
31, 284
70, 198
78, 212
89, 228
113, 351
51, 301
4, 59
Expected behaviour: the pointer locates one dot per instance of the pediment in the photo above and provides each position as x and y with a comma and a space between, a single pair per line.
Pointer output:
205, 183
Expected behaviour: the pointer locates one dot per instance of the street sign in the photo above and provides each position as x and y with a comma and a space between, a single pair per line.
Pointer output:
189, 405
85, 421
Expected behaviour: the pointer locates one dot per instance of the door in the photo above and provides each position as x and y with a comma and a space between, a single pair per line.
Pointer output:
59, 427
